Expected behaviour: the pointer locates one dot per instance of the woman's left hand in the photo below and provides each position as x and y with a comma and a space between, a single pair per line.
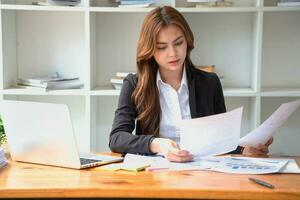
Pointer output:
261, 150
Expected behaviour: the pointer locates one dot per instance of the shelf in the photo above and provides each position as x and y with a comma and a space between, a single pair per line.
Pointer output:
120, 10
276, 8
239, 92
42, 8
280, 92
109, 91
104, 91
21, 91
220, 9
145, 10
181, 9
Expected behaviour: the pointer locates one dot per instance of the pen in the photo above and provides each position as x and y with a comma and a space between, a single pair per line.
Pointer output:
263, 183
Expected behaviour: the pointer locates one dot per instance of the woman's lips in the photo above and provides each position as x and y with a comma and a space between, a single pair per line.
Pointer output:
173, 62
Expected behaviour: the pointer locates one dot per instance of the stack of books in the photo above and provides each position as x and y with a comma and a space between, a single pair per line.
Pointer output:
117, 82
136, 3
3, 160
50, 82
57, 3
288, 3
211, 3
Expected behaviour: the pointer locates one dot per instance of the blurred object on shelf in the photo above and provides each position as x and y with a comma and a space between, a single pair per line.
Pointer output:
288, 3
211, 3
207, 68
57, 3
210, 69
117, 82
64, 2
123, 74
136, 3
53, 81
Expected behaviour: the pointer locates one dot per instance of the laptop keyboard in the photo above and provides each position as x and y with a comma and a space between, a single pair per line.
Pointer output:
84, 161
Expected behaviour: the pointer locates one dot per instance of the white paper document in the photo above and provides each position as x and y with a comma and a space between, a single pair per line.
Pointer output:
153, 163
262, 134
253, 166
226, 164
212, 135
246, 165
290, 167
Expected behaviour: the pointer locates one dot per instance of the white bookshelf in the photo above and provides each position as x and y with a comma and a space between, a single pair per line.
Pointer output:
254, 45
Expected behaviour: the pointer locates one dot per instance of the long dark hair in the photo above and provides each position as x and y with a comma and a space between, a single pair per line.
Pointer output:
146, 95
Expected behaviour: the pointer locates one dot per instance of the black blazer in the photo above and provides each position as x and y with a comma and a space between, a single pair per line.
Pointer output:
205, 98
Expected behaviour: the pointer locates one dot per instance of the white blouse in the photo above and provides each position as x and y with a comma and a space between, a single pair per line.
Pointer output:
174, 107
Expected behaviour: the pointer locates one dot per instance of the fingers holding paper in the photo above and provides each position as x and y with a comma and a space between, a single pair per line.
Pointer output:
179, 156
260, 150
170, 149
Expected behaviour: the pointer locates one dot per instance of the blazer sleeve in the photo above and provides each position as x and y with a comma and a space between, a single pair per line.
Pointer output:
121, 139
219, 105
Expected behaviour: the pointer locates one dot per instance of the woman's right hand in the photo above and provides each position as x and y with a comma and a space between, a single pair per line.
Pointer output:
170, 149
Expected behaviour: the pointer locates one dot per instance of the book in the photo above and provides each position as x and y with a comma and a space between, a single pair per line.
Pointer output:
117, 83
146, 5
67, 84
52, 81
288, 4
201, 1
284, 1
53, 85
46, 78
136, 2
215, 4
57, 3
123, 74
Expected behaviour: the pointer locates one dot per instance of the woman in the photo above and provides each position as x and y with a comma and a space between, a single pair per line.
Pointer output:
167, 88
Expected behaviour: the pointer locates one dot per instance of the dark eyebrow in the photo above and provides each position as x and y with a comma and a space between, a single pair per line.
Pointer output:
178, 38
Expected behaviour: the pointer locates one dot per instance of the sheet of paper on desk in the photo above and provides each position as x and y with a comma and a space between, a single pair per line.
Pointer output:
153, 163
290, 167
262, 134
212, 135
241, 165
253, 166
163, 164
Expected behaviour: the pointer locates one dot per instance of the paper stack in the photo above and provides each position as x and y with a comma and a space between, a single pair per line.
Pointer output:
211, 3
50, 82
288, 3
3, 160
136, 3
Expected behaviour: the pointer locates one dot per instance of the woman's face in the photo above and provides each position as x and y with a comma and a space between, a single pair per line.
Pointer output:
170, 50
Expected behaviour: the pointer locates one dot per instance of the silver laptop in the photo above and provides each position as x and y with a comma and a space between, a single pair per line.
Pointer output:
42, 133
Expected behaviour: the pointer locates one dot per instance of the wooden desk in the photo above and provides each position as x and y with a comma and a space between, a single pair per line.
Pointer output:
29, 180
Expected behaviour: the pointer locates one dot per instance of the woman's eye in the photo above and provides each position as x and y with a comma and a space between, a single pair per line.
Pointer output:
161, 48
178, 43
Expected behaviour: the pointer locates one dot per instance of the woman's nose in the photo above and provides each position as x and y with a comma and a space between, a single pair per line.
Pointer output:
172, 51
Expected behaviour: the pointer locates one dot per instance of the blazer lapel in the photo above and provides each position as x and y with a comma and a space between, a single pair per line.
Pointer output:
192, 99
198, 107
192, 94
